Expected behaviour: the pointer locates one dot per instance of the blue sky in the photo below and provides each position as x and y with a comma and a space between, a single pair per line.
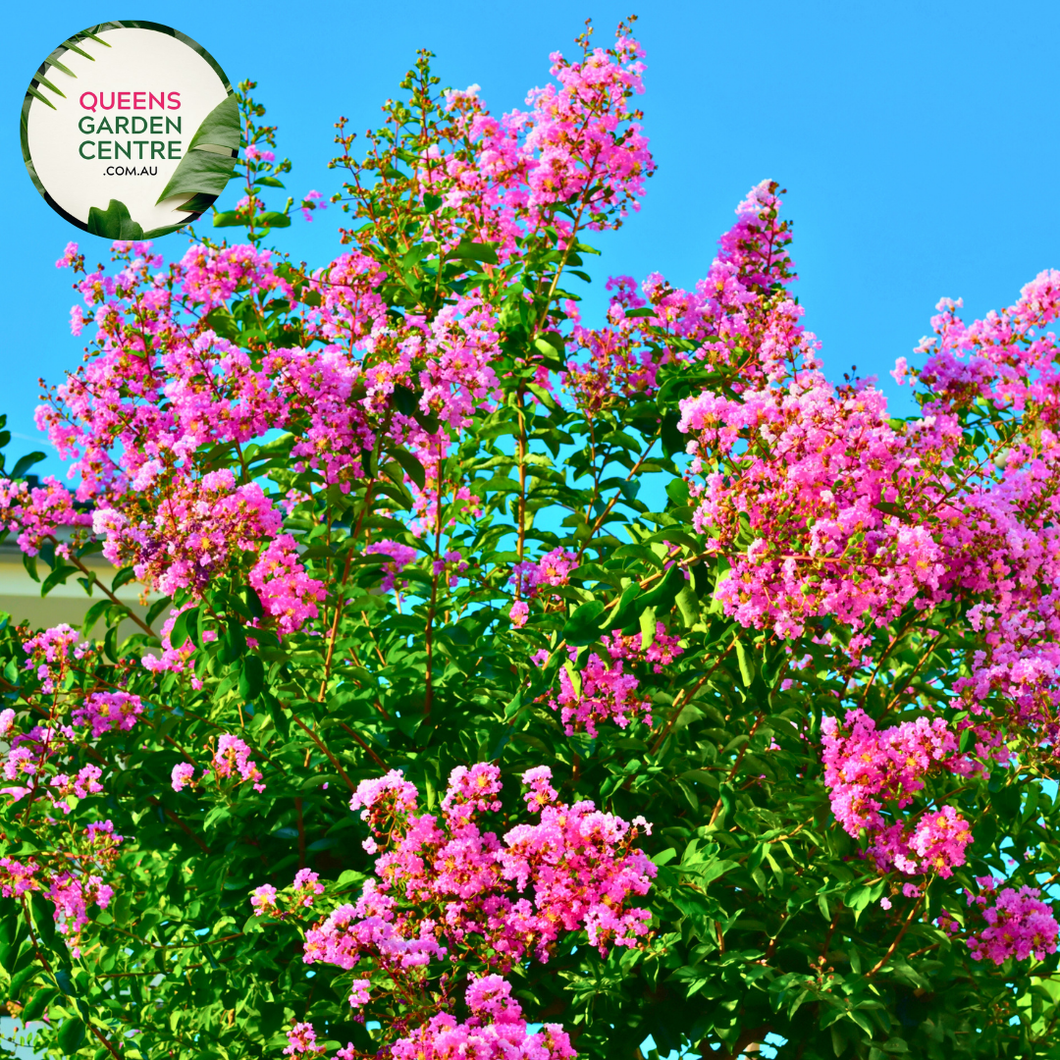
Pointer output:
916, 141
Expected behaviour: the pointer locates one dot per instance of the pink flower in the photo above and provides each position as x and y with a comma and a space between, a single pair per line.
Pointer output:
182, 775
232, 757
104, 711
70, 255
312, 201
306, 887
302, 1040
263, 900
398, 558
1020, 925
572, 869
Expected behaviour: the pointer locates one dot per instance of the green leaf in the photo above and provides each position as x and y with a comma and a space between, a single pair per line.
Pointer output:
60, 66
251, 602
24, 463
31, 91
235, 642
23, 976
79, 51
406, 401
38, 1004
627, 611
662, 596
204, 172
220, 128
514, 706
474, 252
861, 1020
187, 627
42, 80
125, 575
677, 491
839, 1041
412, 467
198, 203
200, 173
43, 919
114, 222
251, 678
861, 897
647, 628
157, 608
273, 219
895, 510
575, 678
688, 604
71, 1036
747, 666
57, 577
582, 627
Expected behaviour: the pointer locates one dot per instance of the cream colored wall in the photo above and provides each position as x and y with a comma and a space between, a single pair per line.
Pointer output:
20, 595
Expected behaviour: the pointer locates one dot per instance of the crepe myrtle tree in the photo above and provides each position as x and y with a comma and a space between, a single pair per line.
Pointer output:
514, 687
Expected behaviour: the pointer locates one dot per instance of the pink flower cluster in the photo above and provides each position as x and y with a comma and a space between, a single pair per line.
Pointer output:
286, 591
399, 557
36, 513
1019, 924
40, 757
622, 361
825, 507
50, 653
230, 759
302, 1041
496, 1030
552, 569
182, 776
935, 843
72, 893
197, 526
799, 517
1007, 357
446, 891
313, 201
866, 769
662, 650
160, 391
302, 894
580, 138
34, 758
740, 320
104, 711
604, 690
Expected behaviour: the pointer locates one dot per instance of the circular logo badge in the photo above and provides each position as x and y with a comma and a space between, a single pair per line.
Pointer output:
130, 130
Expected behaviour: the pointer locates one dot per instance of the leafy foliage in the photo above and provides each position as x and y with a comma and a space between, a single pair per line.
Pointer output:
407, 513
